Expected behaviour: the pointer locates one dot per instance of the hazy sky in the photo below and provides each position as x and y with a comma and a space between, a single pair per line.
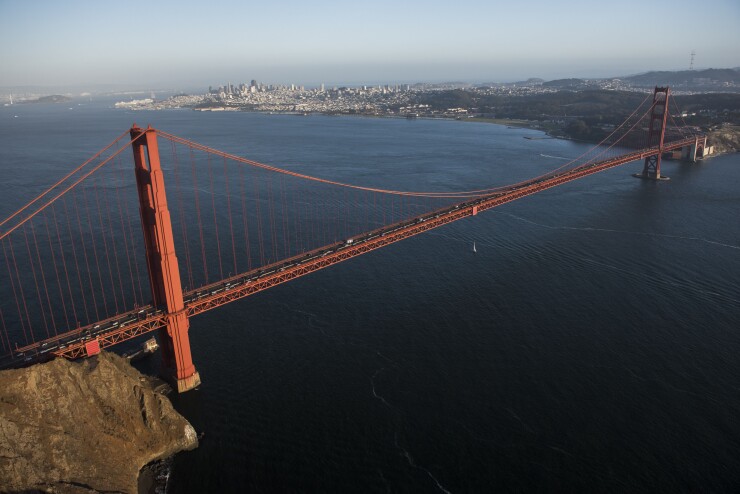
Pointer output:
186, 44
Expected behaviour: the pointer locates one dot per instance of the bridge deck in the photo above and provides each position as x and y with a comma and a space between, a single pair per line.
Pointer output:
141, 320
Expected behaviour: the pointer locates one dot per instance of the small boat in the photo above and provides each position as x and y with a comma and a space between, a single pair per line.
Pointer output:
474, 247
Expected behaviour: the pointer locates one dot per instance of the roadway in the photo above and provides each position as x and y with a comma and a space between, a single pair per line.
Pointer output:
141, 320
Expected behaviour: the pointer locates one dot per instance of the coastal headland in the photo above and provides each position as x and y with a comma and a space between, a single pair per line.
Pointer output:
87, 426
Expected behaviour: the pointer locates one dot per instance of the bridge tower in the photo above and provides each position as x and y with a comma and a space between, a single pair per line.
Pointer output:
656, 133
164, 274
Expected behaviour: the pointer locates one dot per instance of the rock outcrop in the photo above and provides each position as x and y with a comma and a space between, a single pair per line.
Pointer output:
84, 426
725, 139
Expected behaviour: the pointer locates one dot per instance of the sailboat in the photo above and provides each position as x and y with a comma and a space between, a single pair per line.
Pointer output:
474, 247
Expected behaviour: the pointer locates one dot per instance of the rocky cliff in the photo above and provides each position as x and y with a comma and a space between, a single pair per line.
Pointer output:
84, 426
725, 139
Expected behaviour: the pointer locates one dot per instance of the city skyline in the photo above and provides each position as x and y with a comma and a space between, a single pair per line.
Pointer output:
187, 44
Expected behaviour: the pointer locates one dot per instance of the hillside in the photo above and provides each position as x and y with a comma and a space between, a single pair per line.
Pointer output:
89, 426
725, 138
709, 79
586, 115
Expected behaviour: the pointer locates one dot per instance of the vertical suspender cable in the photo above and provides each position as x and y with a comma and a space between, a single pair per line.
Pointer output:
23, 296
87, 262
35, 281
197, 210
248, 249
15, 294
228, 211
95, 253
64, 265
125, 236
43, 278
77, 263
215, 219
112, 280
56, 270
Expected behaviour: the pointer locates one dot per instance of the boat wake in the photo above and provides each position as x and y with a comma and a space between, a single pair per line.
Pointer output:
375, 393
403, 451
713, 292
518, 419
413, 464
626, 232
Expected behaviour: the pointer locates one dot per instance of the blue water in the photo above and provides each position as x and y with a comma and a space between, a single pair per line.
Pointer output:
589, 345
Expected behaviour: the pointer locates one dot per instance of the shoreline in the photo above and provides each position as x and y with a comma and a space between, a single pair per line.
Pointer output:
551, 133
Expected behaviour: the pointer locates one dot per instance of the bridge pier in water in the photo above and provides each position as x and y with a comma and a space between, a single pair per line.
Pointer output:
164, 273
696, 150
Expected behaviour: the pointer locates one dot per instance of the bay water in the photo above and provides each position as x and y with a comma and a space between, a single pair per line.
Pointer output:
590, 344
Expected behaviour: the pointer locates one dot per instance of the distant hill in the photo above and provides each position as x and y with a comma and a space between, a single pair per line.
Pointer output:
572, 84
529, 82
54, 98
688, 79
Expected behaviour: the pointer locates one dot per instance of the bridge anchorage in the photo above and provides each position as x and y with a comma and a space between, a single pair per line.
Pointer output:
164, 274
72, 269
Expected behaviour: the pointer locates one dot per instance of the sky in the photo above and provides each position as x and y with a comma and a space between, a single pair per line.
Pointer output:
186, 44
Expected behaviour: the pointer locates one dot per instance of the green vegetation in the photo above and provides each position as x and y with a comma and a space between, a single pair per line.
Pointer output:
584, 115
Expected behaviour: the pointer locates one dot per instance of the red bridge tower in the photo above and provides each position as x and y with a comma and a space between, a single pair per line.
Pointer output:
164, 274
656, 133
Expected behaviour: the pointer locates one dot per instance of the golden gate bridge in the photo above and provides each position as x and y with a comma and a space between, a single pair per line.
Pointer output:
79, 275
